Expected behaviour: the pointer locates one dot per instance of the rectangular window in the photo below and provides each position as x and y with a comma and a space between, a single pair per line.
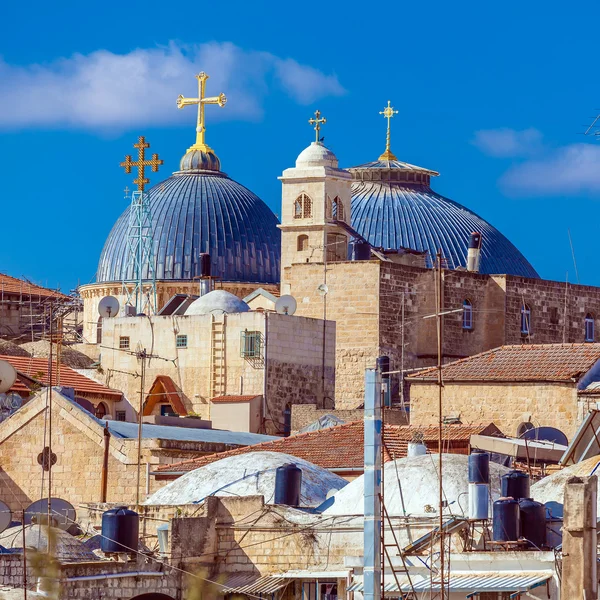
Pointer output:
251, 344
181, 341
120, 415
124, 342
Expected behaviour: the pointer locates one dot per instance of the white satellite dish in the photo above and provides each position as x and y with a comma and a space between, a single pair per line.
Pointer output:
108, 307
286, 305
323, 289
8, 376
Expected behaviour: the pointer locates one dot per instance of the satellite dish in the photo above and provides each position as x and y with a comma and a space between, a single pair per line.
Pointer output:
323, 289
108, 307
62, 513
286, 305
547, 434
8, 376
5, 516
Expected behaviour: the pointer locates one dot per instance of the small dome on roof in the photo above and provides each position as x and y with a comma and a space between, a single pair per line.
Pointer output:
317, 155
217, 302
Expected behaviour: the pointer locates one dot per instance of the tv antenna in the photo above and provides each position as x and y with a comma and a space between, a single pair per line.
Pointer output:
286, 305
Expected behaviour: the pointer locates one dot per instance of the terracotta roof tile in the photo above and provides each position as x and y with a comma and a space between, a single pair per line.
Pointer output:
230, 399
342, 447
12, 285
526, 362
37, 368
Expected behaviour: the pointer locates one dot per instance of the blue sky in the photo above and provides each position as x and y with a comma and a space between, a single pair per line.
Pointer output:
494, 96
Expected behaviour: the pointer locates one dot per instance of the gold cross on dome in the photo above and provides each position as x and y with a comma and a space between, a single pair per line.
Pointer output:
201, 101
141, 163
388, 113
317, 122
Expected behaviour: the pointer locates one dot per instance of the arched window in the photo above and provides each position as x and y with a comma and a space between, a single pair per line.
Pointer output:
101, 410
328, 208
525, 319
99, 331
467, 315
590, 332
338, 209
303, 207
302, 243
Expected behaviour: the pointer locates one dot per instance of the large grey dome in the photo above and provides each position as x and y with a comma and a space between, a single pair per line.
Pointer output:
393, 206
200, 209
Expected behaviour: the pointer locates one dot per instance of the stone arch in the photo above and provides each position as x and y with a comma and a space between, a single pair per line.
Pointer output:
152, 596
302, 243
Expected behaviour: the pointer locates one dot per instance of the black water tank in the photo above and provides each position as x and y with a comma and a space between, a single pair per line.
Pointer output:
479, 467
120, 531
533, 522
204, 264
288, 483
359, 250
515, 484
506, 523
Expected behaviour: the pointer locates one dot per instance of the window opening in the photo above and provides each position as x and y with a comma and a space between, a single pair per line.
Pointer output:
525, 320
589, 328
302, 243
124, 342
467, 315
181, 341
251, 344
303, 207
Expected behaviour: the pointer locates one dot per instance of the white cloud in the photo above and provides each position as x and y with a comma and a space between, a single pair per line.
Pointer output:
106, 90
569, 169
508, 143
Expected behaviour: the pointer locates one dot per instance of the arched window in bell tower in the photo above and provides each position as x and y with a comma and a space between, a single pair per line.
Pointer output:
303, 207
338, 209
328, 208
302, 243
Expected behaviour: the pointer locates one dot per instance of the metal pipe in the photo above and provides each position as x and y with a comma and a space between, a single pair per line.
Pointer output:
24, 557
115, 576
104, 475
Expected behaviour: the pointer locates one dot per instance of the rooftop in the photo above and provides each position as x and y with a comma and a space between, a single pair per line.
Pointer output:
12, 285
342, 447
37, 368
526, 362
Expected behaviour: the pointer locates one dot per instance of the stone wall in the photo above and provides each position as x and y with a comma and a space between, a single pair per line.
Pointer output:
506, 405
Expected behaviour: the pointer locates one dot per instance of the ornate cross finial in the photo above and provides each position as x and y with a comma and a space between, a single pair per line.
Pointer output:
201, 101
141, 163
388, 112
317, 122
126, 192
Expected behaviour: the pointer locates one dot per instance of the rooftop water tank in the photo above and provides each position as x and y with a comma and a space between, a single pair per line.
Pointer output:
359, 250
288, 484
120, 531
533, 522
506, 523
479, 467
515, 484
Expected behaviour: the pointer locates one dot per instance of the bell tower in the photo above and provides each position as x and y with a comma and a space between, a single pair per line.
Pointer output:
315, 208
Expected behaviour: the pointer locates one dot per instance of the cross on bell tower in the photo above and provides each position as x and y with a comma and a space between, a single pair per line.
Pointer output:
201, 101
317, 121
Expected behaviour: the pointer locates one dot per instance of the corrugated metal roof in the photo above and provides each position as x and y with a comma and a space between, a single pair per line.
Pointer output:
399, 214
245, 583
200, 212
187, 434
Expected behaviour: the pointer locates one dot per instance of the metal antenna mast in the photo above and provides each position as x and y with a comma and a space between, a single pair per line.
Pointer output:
139, 281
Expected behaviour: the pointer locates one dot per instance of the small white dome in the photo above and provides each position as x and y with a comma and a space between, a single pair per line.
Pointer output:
317, 155
217, 302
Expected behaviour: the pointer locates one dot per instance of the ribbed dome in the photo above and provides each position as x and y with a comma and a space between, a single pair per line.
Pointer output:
199, 160
201, 211
393, 206
317, 155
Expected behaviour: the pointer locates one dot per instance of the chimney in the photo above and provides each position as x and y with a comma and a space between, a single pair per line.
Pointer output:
474, 252
205, 274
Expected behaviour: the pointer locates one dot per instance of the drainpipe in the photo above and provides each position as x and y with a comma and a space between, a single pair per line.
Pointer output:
372, 479
264, 403
104, 475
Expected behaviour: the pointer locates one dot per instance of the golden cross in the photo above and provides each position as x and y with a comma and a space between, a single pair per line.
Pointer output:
388, 113
317, 122
141, 163
201, 101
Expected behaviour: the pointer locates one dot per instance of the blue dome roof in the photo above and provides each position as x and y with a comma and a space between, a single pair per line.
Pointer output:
393, 206
201, 210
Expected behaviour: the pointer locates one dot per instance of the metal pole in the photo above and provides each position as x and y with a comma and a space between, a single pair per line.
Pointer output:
49, 454
141, 355
438, 312
104, 477
24, 557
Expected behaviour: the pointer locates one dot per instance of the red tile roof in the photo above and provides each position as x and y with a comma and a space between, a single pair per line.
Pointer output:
163, 389
37, 368
12, 285
527, 362
231, 399
342, 447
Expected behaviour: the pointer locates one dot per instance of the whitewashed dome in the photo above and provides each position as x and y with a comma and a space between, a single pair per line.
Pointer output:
248, 474
317, 155
217, 302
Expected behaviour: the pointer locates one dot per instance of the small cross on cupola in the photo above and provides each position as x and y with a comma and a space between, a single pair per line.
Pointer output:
317, 121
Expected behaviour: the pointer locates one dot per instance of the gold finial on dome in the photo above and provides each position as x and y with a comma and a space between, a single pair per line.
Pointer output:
201, 101
388, 112
317, 121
